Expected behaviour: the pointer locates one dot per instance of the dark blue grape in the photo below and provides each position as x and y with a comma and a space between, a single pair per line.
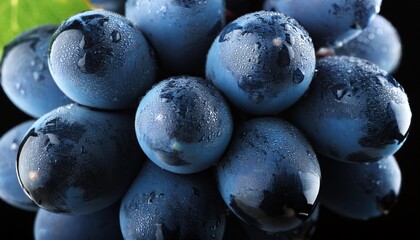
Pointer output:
184, 124
10, 190
103, 224
379, 43
360, 191
354, 111
99, 59
75, 160
262, 61
269, 176
25, 76
164, 205
329, 22
181, 31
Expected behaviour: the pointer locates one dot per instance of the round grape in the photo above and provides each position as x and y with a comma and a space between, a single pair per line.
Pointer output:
99, 59
163, 205
330, 23
360, 191
262, 61
270, 176
75, 160
181, 31
25, 76
354, 111
379, 43
184, 124
102, 224
10, 190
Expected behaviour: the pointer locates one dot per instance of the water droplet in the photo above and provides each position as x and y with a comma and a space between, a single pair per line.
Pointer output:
162, 10
115, 36
402, 115
298, 76
387, 202
196, 191
150, 199
257, 97
290, 39
14, 146
340, 93
381, 80
37, 76
81, 63
82, 43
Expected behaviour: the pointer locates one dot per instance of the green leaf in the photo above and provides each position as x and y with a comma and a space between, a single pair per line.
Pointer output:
17, 16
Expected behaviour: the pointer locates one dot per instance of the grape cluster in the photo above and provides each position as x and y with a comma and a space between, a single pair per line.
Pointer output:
204, 119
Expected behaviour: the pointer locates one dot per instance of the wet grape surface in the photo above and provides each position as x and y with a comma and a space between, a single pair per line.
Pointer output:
402, 220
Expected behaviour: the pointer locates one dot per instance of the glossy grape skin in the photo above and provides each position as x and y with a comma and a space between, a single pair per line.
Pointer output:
25, 76
75, 160
360, 191
184, 124
302, 232
262, 61
181, 31
99, 59
163, 205
379, 43
330, 22
10, 189
354, 111
103, 224
269, 176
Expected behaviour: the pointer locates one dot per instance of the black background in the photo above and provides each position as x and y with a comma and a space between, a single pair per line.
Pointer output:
404, 219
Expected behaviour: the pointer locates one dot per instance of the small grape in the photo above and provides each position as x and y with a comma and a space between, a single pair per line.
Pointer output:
25, 76
180, 31
184, 124
330, 23
360, 191
163, 205
102, 224
10, 190
379, 43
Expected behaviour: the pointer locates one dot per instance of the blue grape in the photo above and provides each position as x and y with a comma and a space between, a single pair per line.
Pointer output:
10, 190
270, 175
262, 61
102, 224
75, 160
181, 31
379, 43
163, 205
330, 23
354, 111
360, 191
184, 124
25, 76
110, 64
